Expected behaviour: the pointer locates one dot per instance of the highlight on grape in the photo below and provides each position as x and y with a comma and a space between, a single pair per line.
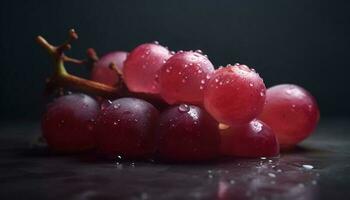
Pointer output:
155, 103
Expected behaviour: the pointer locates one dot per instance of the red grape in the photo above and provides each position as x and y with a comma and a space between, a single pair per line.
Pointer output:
234, 95
254, 139
292, 112
187, 133
68, 123
184, 76
126, 127
101, 72
141, 68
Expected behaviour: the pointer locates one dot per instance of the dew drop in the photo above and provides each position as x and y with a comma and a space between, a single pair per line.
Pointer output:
272, 175
116, 106
155, 42
251, 84
202, 81
184, 108
199, 51
307, 167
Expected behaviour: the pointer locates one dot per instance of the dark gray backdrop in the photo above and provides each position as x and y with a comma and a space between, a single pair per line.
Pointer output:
303, 42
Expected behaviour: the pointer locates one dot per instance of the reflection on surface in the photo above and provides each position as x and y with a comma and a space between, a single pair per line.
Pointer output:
282, 178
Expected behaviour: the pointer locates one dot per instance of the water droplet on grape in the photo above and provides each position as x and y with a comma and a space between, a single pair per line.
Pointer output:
156, 42
116, 106
201, 87
262, 94
263, 158
272, 175
307, 167
202, 81
251, 84
184, 108
199, 51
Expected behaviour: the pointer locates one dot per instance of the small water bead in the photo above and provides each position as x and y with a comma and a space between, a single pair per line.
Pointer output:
202, 81
308, 167
272, 175
262, 94
156, 42
116, 106
184, 108
263, 158
199, 51
201, 87
251, 84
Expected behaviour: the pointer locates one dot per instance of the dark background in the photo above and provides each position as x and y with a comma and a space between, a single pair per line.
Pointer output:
302, 42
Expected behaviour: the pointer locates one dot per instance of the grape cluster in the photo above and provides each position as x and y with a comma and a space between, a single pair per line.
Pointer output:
176, 107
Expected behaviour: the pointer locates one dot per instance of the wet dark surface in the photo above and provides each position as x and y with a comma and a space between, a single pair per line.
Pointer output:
318, 169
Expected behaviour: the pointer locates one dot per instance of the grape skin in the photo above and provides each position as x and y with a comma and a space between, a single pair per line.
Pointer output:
255, 139
184, 76
126, 127
101, 71
234, 95
68, 123
187, 133
142, 66
292, 112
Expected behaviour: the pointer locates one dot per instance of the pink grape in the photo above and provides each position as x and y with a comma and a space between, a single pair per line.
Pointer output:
187, 133
292, 112
101, 71
235, 95
255, 139
141, 68
68, 123
184, 76
126, 127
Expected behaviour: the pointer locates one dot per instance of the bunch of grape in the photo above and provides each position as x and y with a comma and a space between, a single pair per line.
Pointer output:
178, 108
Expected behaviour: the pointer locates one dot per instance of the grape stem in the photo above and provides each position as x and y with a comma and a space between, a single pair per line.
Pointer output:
61, 78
